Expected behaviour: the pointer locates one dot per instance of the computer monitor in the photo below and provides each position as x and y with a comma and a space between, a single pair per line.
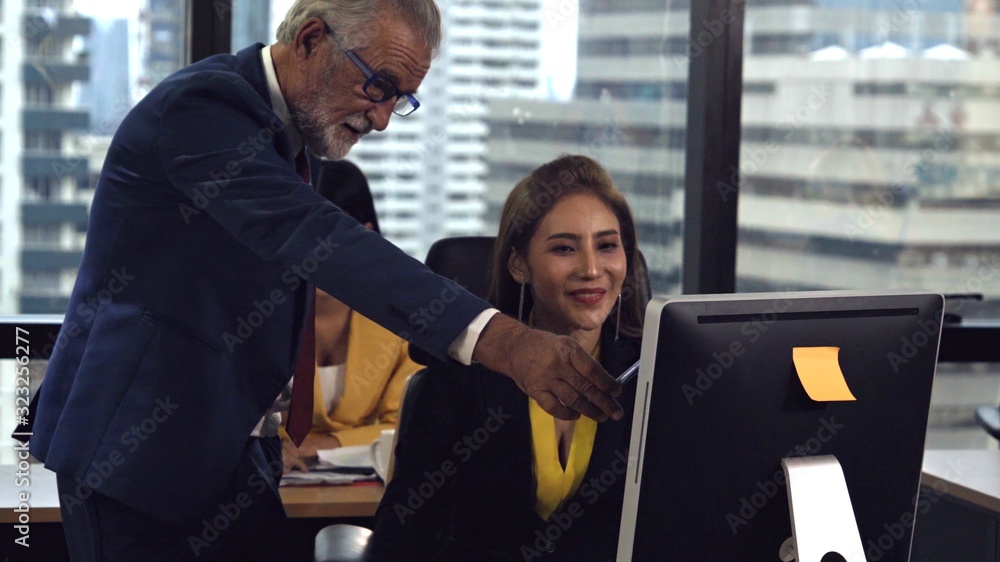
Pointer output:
720, 404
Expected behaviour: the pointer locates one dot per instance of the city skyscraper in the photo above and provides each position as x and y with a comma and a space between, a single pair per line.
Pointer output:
44, 179
108, 94
869, 157
628, 113
161, 42
427, 171
251, 23
11, 105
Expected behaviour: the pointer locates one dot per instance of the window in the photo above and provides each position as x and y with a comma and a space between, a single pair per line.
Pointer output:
37, 189
67, 79
45, 236
38, 94
873, 163
42, 141
516, 91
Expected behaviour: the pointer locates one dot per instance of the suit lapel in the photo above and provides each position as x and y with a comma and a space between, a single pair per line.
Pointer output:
250, 66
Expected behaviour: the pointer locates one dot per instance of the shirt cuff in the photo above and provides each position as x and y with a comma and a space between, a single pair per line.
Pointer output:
461, 349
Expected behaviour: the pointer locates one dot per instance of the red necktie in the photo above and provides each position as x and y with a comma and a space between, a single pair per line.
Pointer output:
301, 408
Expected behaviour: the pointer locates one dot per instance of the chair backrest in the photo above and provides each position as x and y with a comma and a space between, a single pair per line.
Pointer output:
466, 260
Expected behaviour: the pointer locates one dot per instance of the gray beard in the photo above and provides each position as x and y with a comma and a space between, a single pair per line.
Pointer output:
322, 140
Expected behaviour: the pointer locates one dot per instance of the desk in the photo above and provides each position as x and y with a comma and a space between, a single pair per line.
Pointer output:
300, 502
310, 508
959, 518
360, 500
972, 476
43, 496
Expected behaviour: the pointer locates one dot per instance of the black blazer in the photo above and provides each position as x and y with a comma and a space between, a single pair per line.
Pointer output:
464, 489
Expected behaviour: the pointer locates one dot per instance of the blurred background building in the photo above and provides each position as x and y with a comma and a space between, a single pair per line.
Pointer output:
43, 178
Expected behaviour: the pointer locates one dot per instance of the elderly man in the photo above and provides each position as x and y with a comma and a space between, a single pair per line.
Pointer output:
151, 412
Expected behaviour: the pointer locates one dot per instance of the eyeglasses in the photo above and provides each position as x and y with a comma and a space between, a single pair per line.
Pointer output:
378, 88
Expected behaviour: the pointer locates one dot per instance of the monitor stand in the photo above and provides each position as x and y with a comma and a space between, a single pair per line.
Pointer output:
821, 511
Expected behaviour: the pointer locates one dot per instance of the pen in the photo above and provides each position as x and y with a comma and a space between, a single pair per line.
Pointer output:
628, 374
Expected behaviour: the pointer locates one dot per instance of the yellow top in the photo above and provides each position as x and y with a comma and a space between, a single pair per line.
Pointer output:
555, 485
378, 364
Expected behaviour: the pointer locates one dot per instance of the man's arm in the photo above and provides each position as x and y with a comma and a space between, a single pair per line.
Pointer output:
257, 197
265, 205
554, 370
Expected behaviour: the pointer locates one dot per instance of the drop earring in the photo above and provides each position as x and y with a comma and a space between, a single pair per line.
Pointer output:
618, 321
520, 302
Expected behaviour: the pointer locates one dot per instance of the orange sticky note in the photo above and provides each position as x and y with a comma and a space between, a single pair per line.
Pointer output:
820, 374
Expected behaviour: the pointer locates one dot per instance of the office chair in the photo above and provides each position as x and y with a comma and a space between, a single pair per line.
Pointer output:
341, 543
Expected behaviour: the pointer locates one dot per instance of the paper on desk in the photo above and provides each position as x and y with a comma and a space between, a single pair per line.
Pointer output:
320, 477
331, 466
820, 374
355, 456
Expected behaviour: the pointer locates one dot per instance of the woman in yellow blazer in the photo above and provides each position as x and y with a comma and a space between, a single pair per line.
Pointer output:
361, 367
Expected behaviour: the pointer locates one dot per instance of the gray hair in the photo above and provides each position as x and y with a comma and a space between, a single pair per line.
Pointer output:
351, 20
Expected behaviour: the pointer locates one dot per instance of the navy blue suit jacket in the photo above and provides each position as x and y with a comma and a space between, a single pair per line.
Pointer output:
184, 322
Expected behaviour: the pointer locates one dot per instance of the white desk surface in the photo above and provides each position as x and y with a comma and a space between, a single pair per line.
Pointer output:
973, 476
300, 501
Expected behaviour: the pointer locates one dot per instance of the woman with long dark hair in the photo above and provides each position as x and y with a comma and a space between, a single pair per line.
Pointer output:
483, 472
